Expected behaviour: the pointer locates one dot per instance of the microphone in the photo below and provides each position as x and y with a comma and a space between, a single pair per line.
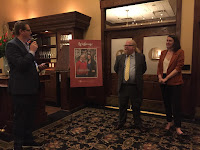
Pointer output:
32, 38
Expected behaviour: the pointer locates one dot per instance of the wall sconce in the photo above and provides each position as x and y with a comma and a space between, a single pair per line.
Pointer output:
155, 53
120, 52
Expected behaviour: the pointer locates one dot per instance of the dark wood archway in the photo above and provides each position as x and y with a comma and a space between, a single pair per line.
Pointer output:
150, 81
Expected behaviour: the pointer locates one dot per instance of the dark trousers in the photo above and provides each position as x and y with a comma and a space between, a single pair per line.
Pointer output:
129, 92
172, 96
24, 116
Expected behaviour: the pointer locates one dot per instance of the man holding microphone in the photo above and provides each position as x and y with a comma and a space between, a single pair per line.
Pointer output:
23, 83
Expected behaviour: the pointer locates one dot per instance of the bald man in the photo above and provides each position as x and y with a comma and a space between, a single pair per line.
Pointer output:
130, 68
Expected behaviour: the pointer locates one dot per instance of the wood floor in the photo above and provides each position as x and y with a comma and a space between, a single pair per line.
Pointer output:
51, 109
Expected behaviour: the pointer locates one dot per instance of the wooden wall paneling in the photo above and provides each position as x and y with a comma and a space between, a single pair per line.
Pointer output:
151, 89
178, 18
50, 88
195, 82
107, 68
95, 96
77, 33
187, 106
71, 98
6, 113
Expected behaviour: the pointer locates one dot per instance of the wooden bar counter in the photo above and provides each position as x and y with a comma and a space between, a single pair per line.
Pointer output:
6, 108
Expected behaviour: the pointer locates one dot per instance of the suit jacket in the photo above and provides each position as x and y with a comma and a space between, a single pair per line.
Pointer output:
140, 68
176, 62
24, 78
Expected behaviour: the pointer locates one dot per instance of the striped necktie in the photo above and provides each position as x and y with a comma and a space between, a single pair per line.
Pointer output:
127, 68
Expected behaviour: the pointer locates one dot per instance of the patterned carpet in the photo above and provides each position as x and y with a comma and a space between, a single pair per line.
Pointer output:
93, 129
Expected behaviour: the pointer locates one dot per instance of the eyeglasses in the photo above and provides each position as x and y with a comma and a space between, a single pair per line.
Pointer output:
128, 45
29, 30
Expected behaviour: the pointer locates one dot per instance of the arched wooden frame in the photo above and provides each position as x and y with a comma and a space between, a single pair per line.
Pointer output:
107, 34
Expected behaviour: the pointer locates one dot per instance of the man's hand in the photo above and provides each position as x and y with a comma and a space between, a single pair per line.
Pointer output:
42, 66
33, 46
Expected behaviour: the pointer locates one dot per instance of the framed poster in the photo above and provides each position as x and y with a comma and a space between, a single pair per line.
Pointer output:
85, 63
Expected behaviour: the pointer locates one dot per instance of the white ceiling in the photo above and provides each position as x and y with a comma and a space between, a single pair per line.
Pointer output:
142, 12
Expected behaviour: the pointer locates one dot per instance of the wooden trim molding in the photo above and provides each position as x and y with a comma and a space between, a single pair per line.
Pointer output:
178, 18
117, 3
195, 56
141, 27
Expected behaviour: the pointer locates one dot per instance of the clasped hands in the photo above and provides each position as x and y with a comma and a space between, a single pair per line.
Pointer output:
163, 81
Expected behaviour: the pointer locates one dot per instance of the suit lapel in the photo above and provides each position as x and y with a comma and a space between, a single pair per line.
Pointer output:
172, 59
20, 45
123, 61
136, 60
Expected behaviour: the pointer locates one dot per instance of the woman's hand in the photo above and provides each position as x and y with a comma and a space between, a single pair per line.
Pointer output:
162, 81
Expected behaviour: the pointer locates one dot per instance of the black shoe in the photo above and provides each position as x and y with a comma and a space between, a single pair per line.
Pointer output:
17, 147
119, 126
31, 144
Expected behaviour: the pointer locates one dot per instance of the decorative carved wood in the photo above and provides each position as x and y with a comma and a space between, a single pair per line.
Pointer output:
57, 22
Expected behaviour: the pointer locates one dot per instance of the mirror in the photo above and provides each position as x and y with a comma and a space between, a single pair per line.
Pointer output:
163, 11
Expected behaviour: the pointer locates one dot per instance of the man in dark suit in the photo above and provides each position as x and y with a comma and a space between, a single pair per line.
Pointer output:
130, 68
23, 83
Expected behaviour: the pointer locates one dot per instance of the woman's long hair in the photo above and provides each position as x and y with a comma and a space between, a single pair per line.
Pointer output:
176, 45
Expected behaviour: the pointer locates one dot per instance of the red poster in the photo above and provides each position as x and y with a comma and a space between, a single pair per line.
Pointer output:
85, 63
